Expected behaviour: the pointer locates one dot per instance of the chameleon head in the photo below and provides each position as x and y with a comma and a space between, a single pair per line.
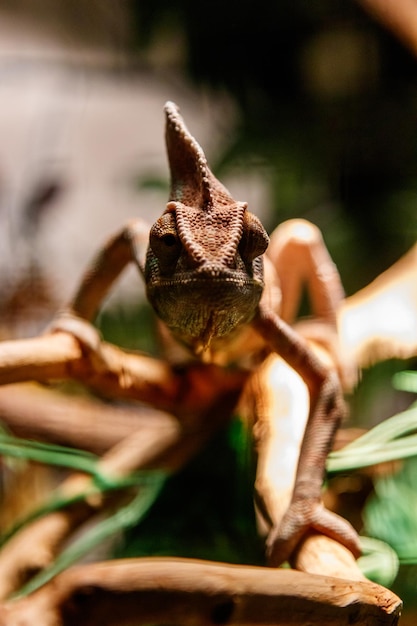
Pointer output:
204, 270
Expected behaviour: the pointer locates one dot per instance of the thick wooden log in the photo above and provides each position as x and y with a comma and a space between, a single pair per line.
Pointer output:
187, 592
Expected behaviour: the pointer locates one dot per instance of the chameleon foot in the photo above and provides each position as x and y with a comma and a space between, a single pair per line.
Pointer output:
301, 519
88, 337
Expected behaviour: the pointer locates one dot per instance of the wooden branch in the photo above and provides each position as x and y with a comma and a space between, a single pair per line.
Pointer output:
369, 329
181, 591
36, 545
168, 448
41, 413
398, 16
203, 396
159, 442
115, 373
281, 409
320, 555
278, 390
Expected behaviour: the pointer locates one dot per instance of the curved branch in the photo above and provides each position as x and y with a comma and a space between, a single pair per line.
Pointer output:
398, 16
167, 447
35, 412
182, 591
110, 370
116, 373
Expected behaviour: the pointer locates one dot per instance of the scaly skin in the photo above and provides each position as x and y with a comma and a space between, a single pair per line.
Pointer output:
203, 272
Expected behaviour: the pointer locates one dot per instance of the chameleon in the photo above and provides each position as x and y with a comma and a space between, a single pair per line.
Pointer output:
227, 293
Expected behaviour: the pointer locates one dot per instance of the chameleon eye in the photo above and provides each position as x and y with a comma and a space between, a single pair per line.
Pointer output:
169, 240
165, 243
254, 240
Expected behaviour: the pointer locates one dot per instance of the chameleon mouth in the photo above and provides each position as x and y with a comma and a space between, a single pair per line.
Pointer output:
204, 341
186, 280
200, 309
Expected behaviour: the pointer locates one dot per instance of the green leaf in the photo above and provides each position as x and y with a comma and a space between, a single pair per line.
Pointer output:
48, 453
405, 381
379, 562
101, 485
391, 513
391, 440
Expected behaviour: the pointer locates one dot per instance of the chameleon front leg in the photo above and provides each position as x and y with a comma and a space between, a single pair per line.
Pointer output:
306, 512
128, 245
300, 258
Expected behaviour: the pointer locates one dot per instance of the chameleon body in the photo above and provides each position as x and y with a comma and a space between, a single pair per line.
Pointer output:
227, 299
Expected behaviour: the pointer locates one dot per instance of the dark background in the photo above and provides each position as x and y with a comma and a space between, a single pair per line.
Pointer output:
327, 101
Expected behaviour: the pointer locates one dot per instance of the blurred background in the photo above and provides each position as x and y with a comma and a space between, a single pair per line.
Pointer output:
304, 109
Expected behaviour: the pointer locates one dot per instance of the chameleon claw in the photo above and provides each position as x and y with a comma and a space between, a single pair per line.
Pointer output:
84, 332
284, 539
